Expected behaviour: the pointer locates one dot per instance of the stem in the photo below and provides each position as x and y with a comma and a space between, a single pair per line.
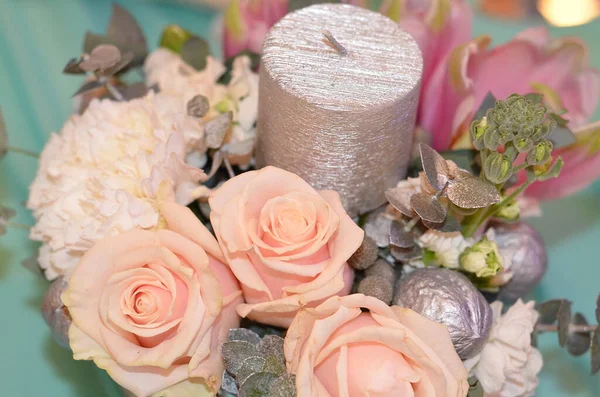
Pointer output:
15, 225
114, 91
23, 151
228, 167
520, 167
577, 328
484, 154
408, 227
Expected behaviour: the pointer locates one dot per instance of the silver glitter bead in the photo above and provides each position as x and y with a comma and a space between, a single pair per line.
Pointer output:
54, 312
448, 297
522, 246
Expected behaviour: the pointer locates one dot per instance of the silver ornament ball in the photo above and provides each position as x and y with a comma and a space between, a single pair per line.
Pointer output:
448, 297
54, 312
521, 246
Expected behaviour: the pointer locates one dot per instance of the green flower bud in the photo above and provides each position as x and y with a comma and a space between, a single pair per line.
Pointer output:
497, 168
483, 259
224, 106
548, 172
523, 144
491, 138
478, 128
543, 130
510, 212
540, 153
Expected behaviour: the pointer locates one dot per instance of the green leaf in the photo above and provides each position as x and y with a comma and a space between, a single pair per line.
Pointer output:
489, 101
194, 52
174, 37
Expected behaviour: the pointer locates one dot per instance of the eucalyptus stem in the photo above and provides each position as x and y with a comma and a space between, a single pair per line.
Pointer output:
577, 328
23, 151
114, 91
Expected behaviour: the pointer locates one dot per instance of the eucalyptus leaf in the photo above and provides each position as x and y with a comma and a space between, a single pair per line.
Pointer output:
399, 237
124, 29
135, 90
198, 106
3, 137
435, 167
272, 345
595, 351
254, 62
406, 254
72, 67
32, 265
468, 191
194, 52
578, 342
216, 129
548, 311
249, 367
243, 334
126, 59
102, 57
257, 385
428, 208
235, 352
89, 86
564, 319
228, 384
449, 225
400, 199
489, 101
284, 386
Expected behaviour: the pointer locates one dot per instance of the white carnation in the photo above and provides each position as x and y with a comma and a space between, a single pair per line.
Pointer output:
101, 175
508, 365
173, 76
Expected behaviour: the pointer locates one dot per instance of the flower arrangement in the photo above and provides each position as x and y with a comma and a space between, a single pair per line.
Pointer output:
182, 269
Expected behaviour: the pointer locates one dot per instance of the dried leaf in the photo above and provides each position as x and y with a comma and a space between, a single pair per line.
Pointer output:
228, 384
241, 148
102, 57
198, 106
548, 311
257, 385
72, 67
406, 254
578, 342
428, 208
244, 334
468, 191
3, 137
235, 352
450, 225
194, 52
399, 237
435, 167
595, 351
400, 199
89, 86
284, 386
216, 129
564, 319
249, 367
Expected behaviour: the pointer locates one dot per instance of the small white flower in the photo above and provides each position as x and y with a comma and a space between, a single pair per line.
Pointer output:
508, 365
101, 175
446, 248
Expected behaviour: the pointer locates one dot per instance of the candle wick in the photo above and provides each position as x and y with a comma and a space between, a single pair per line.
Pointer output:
334, 43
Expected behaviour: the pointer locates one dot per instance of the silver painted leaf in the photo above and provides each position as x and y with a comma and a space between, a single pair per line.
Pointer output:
249, 367
126, 59
578, 342
244, 334
428, 208
284, 386
3, 137
272, 345
548, 311
400, 199
595, 351
274, 365
198, 106
102, 57
399, 237
135, 90
241, 148
468, 191
257, 385
216, 129
124, 29
228, 384
564, 319
435, 167
450, 225
406, 254
72, 67
89, 86
235, 352
194, 52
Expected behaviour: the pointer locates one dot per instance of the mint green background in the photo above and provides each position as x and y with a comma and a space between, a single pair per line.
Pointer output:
37, 37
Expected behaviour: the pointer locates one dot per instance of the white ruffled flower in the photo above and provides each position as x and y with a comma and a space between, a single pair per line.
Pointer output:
508, 365
240, 96
445, 248
101, 175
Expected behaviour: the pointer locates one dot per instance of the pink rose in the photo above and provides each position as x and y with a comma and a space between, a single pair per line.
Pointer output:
339, 350
153, 307
285, 242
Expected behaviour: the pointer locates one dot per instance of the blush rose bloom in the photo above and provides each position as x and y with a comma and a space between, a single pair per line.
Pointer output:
337, 350
153, 307
286, 243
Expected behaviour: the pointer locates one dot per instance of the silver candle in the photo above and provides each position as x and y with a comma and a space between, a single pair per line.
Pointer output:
339, 88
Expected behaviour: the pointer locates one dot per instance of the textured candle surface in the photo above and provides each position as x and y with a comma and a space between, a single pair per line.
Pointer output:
340, 121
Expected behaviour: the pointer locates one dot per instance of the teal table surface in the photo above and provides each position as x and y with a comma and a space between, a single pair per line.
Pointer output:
37, 37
